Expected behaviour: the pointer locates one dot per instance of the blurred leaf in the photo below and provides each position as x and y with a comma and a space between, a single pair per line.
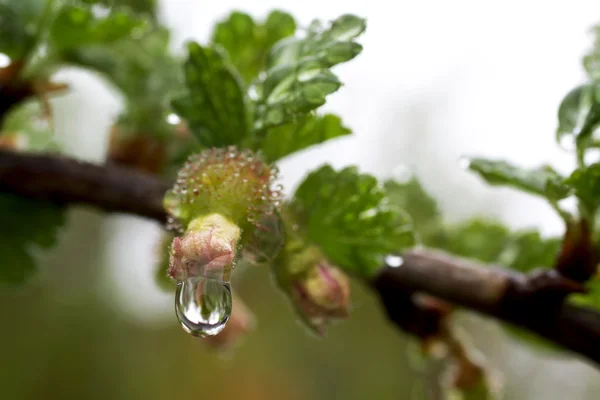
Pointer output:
590, 299
298, 78
148, 7
19, 21
248, 42
586, 183
591, 61
527, 250
347, 215
308, 131
422, 208
29, 128
480, 239
215, 106
579, 114
542, 181
76, 26
25, 226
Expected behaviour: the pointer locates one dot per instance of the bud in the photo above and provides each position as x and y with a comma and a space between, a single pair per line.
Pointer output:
240, 323
207, 247
217, 194
320, 291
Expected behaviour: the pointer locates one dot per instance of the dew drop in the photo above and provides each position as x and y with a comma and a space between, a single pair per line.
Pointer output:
203, 305
394, 261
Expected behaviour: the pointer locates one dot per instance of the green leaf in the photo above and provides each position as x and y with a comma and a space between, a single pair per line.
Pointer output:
248, 42
422, 208
542, 181
76, 27
590, 299
25, 227
18, 26
30, 129
298, 78
479, 239
591, 61
216, 107
346, 214
527, 250
579, 115
586, 184
308, 131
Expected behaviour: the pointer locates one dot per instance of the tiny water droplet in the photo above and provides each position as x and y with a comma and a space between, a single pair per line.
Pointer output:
464, 162
394, 261
203, 305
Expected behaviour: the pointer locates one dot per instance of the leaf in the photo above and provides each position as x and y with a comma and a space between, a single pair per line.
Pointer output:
542, 181
29, 129
298, 78
308, 131
586, 184
591, 61
216, 107
579, 115
346, 214
76, 26
527, 250
18, 26
25, 227
590, 299
479, 239
147, 7
422, 208
248, 42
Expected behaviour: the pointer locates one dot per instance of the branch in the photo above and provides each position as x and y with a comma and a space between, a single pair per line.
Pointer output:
67, 181
533, 302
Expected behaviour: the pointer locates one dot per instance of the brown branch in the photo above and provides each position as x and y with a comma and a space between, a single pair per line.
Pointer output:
67, 181
533, 302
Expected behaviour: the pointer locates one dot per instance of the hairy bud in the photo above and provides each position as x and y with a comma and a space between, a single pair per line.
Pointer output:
207, 247
319, 291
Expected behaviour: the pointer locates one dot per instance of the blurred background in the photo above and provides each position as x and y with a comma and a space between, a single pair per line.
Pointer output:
436, 80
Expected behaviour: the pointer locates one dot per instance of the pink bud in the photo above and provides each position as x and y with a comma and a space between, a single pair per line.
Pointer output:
321, 295
207, 248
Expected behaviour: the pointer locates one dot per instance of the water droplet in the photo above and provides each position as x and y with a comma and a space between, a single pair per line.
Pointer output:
394, 261
4, 60
203, 305
464, 162
173, 119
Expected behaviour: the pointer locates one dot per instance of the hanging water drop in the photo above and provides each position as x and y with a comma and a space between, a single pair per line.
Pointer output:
203, 305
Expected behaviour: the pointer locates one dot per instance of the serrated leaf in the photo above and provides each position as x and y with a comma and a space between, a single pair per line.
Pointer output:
248, 42
298, 78
76, 26
25, 226
579, 114
586, 184
346, 214
542, 181
216, 107
18, 26
308, 131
